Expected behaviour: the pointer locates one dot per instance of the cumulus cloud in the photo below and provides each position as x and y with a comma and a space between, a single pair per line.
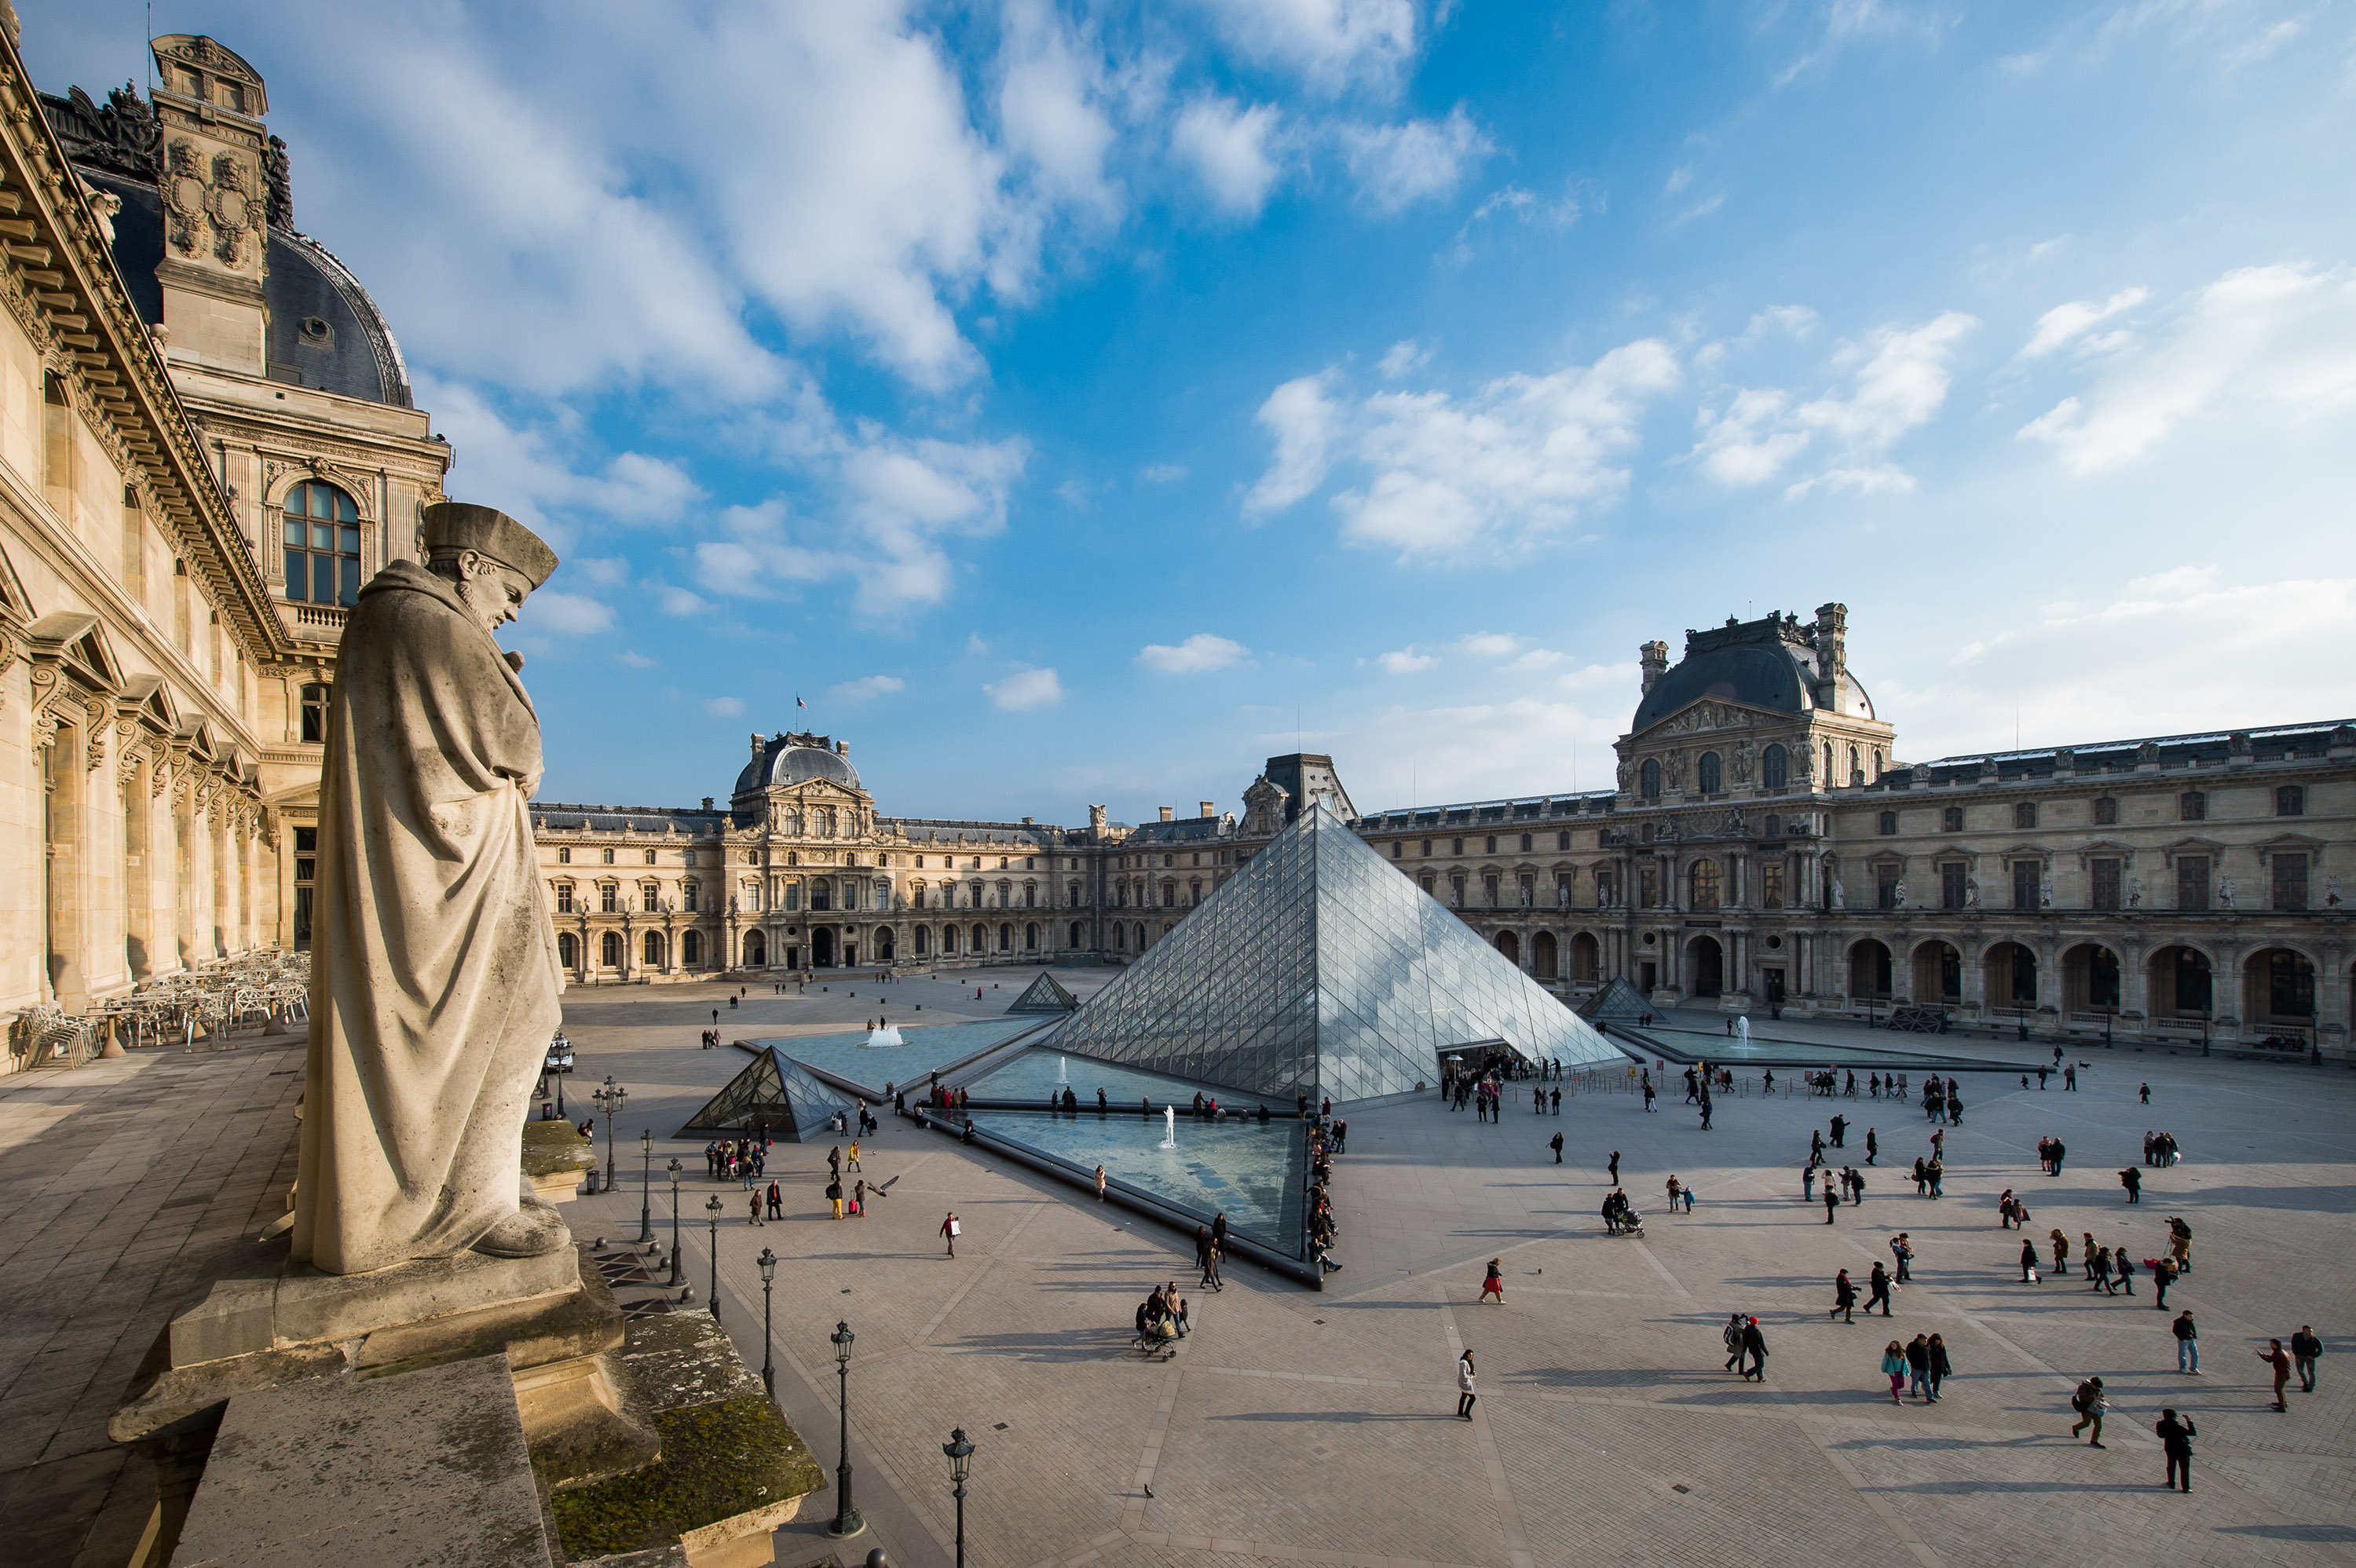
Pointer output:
2278, 340
567, 614
1201, 652
1396, 165
1237, 150
723, 707
1403, 357
1405, 661
610, 571
1899, 381
2066, 323
1518, 459
634, 658
1332, 43
867, 688
1489, 645
1163, 473
1026, 690
1300, 417
676, 601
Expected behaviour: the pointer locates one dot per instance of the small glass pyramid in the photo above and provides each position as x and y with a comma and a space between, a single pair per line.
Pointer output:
1045, 995
1320, 970
772, 1094
1616, 1001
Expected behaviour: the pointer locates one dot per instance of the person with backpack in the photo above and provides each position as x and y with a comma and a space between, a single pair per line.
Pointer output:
1732, 1336
2089, 1403
2132, 1179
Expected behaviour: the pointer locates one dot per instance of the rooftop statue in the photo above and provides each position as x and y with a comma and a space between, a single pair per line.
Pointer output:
435, 975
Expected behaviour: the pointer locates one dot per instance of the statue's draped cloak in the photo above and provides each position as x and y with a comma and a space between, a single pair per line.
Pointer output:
435, 979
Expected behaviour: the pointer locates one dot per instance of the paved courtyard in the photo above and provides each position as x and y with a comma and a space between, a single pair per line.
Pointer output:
1294, 1425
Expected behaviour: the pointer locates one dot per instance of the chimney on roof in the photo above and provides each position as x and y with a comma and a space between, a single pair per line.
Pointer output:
1027, 822
757, 745
1832, 653
842, 748
1210, 808
707, 803
1654, 656
1168, 813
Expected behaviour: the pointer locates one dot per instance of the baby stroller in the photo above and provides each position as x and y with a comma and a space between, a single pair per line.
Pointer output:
1632, 1224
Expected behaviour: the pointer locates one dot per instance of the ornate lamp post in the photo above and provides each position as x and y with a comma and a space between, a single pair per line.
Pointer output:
713, 1209
767, 1263
960, 1456
609, 1100
645, 1186
846, 1518
676, 1279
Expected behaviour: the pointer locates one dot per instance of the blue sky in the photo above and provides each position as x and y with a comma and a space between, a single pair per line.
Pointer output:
1081, 403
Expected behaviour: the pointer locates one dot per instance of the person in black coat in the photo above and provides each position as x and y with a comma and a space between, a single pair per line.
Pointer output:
1940, 1365
2176, 1437
1843, 1297
1754, 1345
2132, 1179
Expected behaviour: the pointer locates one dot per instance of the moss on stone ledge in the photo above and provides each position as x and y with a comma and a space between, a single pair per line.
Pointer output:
718, 1461
550, 1148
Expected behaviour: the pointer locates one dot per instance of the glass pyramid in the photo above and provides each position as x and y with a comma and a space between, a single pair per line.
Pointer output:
1045, 995
1319, 969
1616, 1001
772, 1093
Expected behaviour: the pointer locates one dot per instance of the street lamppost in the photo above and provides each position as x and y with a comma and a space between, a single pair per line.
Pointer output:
609, 1101
645, 1186
767, 1263
846, 1518
960, 1456
713, 1209
676, 1279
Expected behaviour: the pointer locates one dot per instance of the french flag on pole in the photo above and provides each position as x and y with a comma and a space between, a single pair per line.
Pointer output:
798, 700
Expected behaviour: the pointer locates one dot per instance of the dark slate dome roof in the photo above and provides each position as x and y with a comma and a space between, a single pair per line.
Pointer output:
1758, 675
790, 761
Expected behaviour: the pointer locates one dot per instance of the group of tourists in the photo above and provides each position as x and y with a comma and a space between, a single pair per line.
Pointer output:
737, 1158
1326, 1138
2159, 1149
1943, 1097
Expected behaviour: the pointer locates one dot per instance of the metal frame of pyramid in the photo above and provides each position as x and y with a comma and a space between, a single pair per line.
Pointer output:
772, 1093
1319, 969
1617, 1001
1045, 995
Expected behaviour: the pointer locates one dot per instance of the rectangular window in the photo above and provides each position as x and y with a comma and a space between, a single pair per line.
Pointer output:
2025, 814
1456, 889
1771, 884
1489, 885
1426, 885
1951, 886
687, 897
1885, 887
563, 855
2290, 800
2102, 891
793, 895
1426, 847
610, 899
564, 897
2024, 884
1562, 841
2192, 882
2191, 807
306, 867
2290, 881
2106, 811
689, 858
1952, 819
609, 856
650, 899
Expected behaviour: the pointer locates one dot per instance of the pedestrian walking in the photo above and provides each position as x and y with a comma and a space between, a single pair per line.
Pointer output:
2027, 1261
2163, 1275
756, 1200
1100, 1184
2100, 1270
2147, 1094
1754, 1345
1872, 1146
1877, 1289
950, 1229
1902, 1248
1465, 1396
1918, 1365
1556, 1097
1940, 1366
2187, 1342
1555, 1143
2132, 1179
1855, 1185
1732, 1336
1843, 1297
834, 1195
2089, 1403
2089, 1252
1808, 1183
1494, 1283
2304, 1348
2176, 1442
776, 1203
1893, 1367
852, 1161
2124, 1266
1675, 1189
2275, 1357
2061, 1240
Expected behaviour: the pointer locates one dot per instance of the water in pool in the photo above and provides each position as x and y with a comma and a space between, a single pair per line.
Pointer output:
1255, 1173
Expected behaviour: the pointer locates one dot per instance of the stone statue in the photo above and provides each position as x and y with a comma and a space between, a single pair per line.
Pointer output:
2135, 892
2332, 890
1971, 892
1841, 895
1898, 895
2225, 893
435, 976
2045, 892
1743, 761
1677, 772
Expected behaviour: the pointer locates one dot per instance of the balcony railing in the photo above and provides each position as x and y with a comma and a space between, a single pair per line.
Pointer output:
313, 623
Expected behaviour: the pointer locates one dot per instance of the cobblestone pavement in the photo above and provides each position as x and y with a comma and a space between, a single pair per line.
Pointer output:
1300, 1426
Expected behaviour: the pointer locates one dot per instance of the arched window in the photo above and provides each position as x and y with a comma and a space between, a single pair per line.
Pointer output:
323, 545
1856, 768
691, 949
1076, 933
756, 949
1029, 939
653, 949
949, 939
1648, 782
1771, 767
1830, 780
568, 950
1704, 878
981, 939
1710, 774
1120, 936
610, 950
821, 893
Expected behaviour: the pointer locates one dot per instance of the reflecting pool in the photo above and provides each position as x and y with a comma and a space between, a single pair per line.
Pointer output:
1691, 1045
1033, 1075
1255, 1173
928, 1047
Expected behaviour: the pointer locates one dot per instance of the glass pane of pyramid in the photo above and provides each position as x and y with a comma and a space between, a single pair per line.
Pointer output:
1046, 995
1320, 970
771, 1095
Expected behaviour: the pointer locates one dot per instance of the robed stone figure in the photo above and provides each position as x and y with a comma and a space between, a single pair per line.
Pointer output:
435, 979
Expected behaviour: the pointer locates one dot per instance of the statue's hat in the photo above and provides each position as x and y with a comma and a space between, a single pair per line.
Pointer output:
461, 525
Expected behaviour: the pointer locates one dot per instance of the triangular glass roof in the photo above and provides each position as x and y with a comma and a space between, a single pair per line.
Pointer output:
1319, 969
1045, 995
1617, 1000
771, 1094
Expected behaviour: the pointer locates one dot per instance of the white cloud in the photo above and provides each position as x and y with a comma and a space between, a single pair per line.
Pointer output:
867, 688
676, 601
1331, 43
1679, 177
1537, 659
1051, 110
1405, 661
1518, 459
567, 614
1396, 165
1401, 359
635, 659
609, 571
1300, 418
2276, 340
1163, 473
1900, 377
2067, 321
723, 707
1026, 690
1197, 654
1489, 645
1237, 152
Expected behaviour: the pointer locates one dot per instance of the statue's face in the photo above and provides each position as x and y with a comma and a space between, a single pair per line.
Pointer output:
492, 591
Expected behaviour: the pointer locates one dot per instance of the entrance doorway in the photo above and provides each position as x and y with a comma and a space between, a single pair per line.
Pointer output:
1708, 961
1649, 973
821, 947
